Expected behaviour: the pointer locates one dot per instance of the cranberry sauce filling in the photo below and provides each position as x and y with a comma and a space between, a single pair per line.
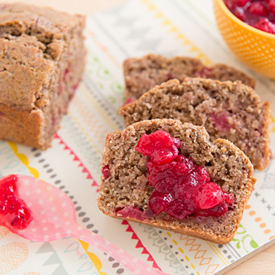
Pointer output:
135, 213
105, 172
259, 14
13, 211
204, 72
128, 101
182, 188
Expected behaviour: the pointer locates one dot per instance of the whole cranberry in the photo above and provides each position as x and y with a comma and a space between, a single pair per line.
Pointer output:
239, 3
208, 195
158, 201
271, 4
239, 13
265, 25
229, 4
258, 8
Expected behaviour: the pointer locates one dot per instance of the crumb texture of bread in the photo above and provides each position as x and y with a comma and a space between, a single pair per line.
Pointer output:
41, 64
228, 110
127, 182
143, 74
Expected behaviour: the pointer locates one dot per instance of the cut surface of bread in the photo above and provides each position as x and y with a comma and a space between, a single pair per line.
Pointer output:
228, 110
143, 74
125, 185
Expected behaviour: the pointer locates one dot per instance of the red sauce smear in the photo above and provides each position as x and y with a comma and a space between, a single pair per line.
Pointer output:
13, 211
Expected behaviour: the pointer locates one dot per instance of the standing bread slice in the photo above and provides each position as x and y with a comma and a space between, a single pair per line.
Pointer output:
143, 74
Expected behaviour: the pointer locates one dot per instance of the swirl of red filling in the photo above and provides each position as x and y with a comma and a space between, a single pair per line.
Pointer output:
182, 188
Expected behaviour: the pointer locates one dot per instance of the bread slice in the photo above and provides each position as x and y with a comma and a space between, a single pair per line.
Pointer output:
143, 74
125, 183
228, 110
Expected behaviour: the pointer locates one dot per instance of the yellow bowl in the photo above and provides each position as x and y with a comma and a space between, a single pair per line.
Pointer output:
253, 47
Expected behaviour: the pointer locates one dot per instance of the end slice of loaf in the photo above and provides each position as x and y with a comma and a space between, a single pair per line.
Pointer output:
228, 110
143, 74
126, 184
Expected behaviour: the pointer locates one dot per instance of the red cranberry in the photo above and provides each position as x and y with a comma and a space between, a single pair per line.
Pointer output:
205, 72
179, 209
162, 177
258, 8
130, 212
105, 172
170, 76
215, 211
191, 179
128, 101
265, 25
271, 4
7, 187
240, 3
158, 201
183, 165
221, 121
228, 198
148, 145
229, 4
13, 211
66, 74
20, 219
202, 175
208, 195
239, 12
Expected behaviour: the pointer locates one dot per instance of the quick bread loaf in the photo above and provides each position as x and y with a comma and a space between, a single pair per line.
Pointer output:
42, 61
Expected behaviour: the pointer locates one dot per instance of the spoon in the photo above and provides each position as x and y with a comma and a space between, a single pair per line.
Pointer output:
54, 217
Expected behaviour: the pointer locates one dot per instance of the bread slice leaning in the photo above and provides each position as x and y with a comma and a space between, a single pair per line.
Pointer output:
125, 185
143, 74
228, 110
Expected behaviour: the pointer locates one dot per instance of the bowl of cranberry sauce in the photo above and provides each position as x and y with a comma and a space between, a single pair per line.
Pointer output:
248, 28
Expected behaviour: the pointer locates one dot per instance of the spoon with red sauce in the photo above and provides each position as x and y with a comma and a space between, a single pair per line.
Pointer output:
38, 211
